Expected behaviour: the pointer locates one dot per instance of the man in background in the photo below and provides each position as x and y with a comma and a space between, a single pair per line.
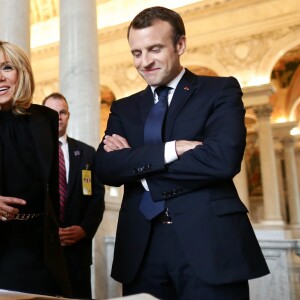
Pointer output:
83, 205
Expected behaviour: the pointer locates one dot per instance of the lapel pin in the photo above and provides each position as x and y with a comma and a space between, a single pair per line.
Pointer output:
77, 152
186, 88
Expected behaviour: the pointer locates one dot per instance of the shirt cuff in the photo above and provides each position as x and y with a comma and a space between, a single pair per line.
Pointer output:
145, 184
170, 152
170, 155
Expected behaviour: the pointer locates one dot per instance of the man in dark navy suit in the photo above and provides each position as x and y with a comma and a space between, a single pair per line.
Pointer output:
202, 245
84, 207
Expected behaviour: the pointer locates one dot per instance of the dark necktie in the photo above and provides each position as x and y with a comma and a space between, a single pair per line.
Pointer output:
153, 135
62, 183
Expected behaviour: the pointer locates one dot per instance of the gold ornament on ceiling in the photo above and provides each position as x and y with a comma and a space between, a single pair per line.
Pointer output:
286, 67
44, 10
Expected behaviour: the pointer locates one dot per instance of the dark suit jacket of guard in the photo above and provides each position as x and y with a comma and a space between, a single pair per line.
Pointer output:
44, 127
82, 210
209, 218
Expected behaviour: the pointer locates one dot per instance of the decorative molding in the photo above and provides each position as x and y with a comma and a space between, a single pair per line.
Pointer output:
261, 90
243, 52
123, 75
109, 34
42, 11
44, 52
211, 6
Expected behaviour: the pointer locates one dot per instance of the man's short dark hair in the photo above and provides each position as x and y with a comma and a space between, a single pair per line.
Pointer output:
148, 16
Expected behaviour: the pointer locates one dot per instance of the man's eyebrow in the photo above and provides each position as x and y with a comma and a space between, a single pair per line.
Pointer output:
148, 48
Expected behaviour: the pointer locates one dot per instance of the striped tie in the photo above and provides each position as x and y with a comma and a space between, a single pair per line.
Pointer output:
62, 183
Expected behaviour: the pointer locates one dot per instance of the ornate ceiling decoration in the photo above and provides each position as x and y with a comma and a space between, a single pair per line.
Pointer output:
43, 10
286, 67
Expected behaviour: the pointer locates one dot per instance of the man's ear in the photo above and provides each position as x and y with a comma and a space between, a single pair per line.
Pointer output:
181, 45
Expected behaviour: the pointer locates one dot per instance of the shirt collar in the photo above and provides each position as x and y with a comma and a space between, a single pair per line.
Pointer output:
173, 83
63, 139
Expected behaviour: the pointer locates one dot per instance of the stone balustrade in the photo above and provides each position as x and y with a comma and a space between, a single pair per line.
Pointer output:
282, 256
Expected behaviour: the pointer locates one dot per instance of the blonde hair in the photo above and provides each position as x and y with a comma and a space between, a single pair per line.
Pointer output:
23, 93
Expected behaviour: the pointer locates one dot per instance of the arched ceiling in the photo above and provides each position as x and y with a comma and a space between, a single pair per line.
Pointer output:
285, 68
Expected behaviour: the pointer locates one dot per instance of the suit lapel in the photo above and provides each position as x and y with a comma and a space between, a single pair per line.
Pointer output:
184, 90
41, 133
75, 155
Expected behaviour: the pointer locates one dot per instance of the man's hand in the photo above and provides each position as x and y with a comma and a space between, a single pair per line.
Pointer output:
71, 235
183, 146
114, 142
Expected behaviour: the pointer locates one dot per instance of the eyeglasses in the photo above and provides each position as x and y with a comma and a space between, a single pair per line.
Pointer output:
6, 68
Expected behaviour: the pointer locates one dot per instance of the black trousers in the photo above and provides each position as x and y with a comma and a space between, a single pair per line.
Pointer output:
79, 270
167, 275
22, 266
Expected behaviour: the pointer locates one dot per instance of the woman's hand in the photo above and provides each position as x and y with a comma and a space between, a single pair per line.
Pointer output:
8, 211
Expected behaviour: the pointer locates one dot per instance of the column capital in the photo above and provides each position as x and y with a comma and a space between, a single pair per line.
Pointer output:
288, 141
257, 95
263, 111
281, 131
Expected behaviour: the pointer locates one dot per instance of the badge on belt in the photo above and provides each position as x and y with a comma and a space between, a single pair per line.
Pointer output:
87, 181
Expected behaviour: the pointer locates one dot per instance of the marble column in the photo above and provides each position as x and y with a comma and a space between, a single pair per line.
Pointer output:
272, 211
292, 181
281, 132
79, 68
15, 23
281, 186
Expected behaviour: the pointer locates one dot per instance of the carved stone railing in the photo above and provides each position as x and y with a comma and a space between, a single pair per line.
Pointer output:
283, 259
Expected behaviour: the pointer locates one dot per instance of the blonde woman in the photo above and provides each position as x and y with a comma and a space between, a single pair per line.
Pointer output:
30, 255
